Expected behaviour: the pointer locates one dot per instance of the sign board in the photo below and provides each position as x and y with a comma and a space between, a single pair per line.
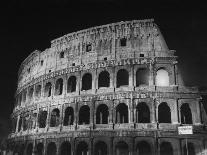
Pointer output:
185, 130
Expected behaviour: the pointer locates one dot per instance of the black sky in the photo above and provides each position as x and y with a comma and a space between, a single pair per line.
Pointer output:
26, 26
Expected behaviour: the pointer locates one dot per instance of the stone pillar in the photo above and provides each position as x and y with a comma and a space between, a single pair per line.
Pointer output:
48, 118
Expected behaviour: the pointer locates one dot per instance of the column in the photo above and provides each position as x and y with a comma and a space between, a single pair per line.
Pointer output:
17, 126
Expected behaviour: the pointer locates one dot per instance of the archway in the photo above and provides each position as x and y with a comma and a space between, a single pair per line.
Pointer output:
104, 79
84, 115
122, 78
102, 114
122, 113
143, 148
142, 77
100, 148
71, 84
69, 116
59, 87
122, 148
164, 114
142, 113
82, 148
166, 148
186, 115
162, 78
29, 149
40, 149
55, 116
48, 89
65, 148
51, 148
87, 81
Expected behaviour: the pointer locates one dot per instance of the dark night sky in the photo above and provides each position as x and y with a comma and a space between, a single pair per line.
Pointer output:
26, 26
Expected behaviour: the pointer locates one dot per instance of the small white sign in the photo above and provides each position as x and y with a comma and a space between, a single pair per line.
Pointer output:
185, 130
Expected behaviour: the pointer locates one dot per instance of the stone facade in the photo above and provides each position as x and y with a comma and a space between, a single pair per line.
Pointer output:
108, 90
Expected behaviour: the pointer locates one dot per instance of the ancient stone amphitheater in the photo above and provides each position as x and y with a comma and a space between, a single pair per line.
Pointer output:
113, 89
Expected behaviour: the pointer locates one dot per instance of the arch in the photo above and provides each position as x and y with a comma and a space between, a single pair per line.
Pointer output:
143, 148
59, 86
84, 115
30, 94
29, 149
142, 77
122, 78
186, 115
40, 148
103, 79
51, 149
55, 116
42, 117
61, 55
166, 148
20, 124
38, 91
87, 81
102, 114
71, 87
122, 113
82, 148
100, 148
190, 150
69, 116
121, 148
162, 77
24, 96
164, 113
48, 89
142, 113
65, 148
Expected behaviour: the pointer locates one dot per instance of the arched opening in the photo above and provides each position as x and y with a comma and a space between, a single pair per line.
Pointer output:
186, 115
29, 149
24, 96
84, 115
102, 114
48, 89
61, 54
40, 149
59, 87
122, 78
55, 116
69, 116
71, 84
142, 77
21, 149
162, 78
24, 124
143, 148
82, 148
51, 148
166, 148
164, 114
100, 148
122, 113
65, 148
30, 94
103, 79
42, 117
38, 91
20, 124
189, 150
142, 113
122, 148
87, 81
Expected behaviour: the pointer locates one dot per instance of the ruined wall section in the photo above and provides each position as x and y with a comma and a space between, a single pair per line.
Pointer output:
140, 39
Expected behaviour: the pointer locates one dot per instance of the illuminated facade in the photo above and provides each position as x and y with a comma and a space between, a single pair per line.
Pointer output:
107, 90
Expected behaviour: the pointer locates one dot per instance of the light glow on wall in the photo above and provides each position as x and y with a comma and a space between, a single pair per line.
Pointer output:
162, 78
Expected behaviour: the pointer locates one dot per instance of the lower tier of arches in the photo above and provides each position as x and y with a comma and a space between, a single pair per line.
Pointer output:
107, 145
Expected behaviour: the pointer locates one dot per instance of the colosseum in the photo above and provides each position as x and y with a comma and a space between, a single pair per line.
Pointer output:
113, 89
